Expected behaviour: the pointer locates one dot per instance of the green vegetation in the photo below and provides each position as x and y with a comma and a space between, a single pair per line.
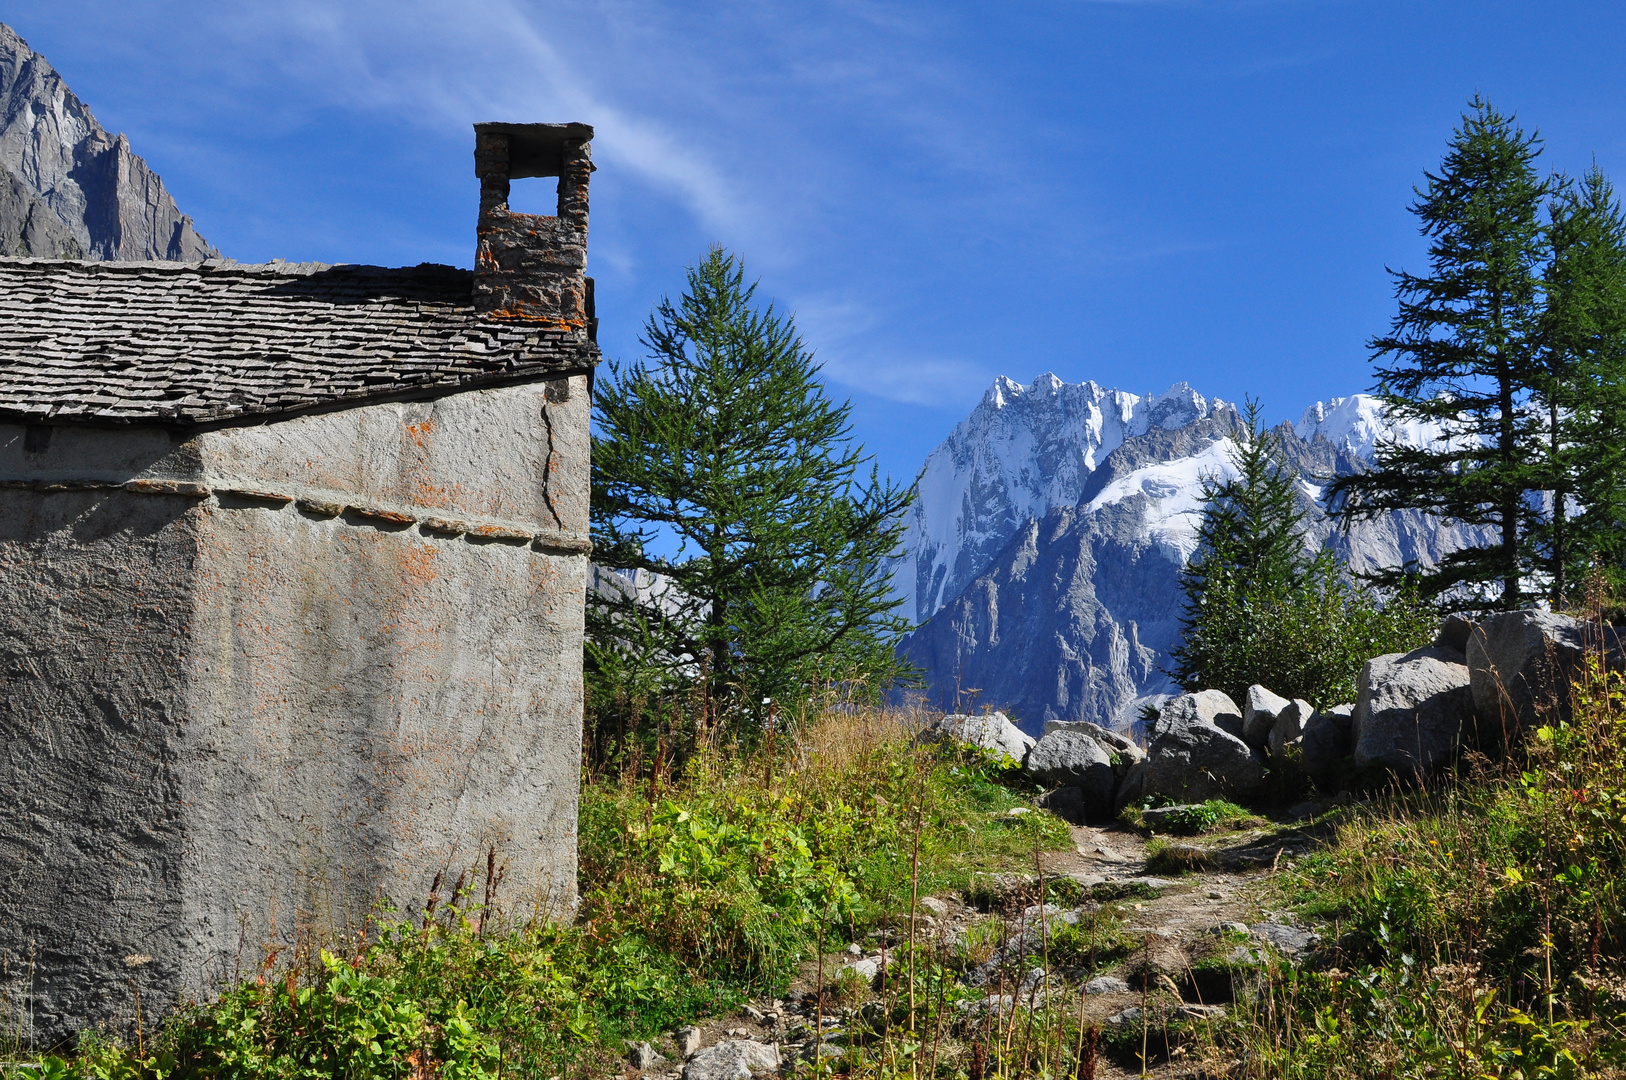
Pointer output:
1262, 608
724, 444
698, 891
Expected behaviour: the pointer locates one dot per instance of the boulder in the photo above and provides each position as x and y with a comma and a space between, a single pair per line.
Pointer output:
1259, 715
1323, 747
1341, 715
1067, 803
1454, 633
1122, 748
1191, 757
1289, 727
993, 732
1519, 665
1411, 711
735, 1059
1132, 788
1073, 759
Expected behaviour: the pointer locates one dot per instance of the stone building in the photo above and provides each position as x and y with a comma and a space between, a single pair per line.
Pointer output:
292, 564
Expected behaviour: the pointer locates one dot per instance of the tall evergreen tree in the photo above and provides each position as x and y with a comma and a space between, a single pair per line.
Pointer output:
1465, 351
1582, 392
723, 450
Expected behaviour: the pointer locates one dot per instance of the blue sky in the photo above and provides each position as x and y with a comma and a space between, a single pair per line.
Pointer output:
1131, 192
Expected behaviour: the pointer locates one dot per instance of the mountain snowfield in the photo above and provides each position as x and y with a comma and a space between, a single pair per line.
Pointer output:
1043, 550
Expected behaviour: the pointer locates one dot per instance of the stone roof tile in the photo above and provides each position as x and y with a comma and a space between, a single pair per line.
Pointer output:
217, 342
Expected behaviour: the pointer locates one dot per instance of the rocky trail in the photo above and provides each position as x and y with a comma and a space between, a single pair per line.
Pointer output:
1173, 938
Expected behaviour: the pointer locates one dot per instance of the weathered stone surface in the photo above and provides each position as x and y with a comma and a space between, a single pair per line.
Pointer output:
1289, 727
528, 266
1259, 713
734, 1059
1132, 788
1119, 745
1411, 710
1342, 716
1520, 664
1454, 633
193, 344
1106, 984
993, 732
1323, 748
643, 1056
1073, 759
281, 717
107, 203
687, 1039
1191, 758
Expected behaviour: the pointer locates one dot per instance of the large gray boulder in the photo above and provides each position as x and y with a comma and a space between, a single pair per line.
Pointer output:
993, 732
1410, 711
1289, 727
1323, 747
1073, 759
1119, 745
1520, 664
1191, 757
735, 1059
1259, 714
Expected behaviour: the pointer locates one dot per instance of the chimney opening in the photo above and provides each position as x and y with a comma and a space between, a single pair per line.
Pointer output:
534, 195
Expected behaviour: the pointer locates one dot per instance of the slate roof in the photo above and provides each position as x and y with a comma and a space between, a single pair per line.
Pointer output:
218, 342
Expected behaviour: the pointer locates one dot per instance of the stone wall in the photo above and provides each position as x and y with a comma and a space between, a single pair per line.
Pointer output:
256, 680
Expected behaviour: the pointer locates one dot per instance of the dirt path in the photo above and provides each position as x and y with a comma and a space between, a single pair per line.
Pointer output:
1177, 922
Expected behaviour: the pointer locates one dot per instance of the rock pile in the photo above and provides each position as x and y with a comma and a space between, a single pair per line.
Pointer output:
1482, 681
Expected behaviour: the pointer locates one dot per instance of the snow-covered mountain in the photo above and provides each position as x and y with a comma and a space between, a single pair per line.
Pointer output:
1023, 450
1044, 549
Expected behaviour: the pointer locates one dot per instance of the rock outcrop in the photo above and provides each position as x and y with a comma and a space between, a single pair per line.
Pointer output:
68, 189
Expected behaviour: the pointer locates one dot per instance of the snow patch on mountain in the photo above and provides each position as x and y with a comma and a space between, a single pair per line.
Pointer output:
1173, 492
1359, 422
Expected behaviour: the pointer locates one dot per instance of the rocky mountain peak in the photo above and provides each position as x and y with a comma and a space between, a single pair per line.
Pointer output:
68, 189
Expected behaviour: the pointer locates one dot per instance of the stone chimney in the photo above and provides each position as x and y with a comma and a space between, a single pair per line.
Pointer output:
532, 267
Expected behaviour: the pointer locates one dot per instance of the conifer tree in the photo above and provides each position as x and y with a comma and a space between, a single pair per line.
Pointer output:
721, 465
1582, 392
1465, 351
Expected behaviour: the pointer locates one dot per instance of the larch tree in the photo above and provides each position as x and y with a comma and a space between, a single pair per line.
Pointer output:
721, 467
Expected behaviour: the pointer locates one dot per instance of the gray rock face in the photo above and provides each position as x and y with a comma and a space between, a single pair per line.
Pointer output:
735, 1059
1323, 748
1259, 714
1411, 711
1115, 742
1191, 758
1520, 664
1454, 632
993, 732
57, 160
1289, 727
1073, 759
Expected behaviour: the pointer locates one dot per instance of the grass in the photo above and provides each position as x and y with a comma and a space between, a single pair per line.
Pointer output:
1473, 929
699, 891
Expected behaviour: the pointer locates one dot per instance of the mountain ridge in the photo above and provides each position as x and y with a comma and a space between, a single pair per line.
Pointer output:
1064, 563
68, 188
